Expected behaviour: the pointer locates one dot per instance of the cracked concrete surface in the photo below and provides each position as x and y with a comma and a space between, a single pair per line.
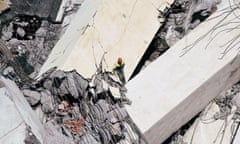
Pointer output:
113, 28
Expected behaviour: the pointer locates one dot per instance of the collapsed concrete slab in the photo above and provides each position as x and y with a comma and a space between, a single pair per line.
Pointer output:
179, 84
11, 121
16, 115
113, 28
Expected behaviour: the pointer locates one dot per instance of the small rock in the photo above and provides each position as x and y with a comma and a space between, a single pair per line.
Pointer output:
8, 70
80, 82
47, 84
46, 101
72, 88
32, 97
21, 32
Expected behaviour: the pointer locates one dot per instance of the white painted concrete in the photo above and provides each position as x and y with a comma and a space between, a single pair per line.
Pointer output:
12, 126
179, 84
118, 28
25, 111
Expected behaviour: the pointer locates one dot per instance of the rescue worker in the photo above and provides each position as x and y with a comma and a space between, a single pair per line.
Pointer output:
118, 69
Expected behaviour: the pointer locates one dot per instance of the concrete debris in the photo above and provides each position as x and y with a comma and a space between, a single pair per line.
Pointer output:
75, 112
46, 102
24, 34
80, 111
30, 32
33, 97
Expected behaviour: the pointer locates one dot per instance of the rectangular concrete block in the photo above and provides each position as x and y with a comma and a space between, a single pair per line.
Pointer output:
179, 84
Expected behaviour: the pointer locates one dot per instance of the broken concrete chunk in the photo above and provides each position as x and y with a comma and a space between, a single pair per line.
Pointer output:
21, 32
72, 87
46, 101
80, 82
32, 97
47, 84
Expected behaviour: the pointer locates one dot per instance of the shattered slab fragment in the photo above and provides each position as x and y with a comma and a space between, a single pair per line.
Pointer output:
109, 28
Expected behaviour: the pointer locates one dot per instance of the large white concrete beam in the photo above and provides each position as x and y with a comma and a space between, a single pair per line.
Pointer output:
118, 28
16, 112
179, 84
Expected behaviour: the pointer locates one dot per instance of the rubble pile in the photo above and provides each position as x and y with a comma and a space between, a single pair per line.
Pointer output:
30, 35
30, 40
84, 110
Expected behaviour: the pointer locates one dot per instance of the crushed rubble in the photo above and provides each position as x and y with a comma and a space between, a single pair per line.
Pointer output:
30, 35
83, 110
83, 113
80, 110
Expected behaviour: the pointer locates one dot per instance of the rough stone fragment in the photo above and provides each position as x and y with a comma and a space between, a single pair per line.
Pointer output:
21, 32
72, 87
32, 97
46, 101
80, 82
47, 84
